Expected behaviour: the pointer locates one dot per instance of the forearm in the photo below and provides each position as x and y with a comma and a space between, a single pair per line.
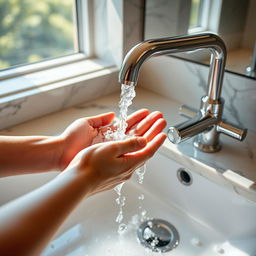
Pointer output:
27, 154
28, 223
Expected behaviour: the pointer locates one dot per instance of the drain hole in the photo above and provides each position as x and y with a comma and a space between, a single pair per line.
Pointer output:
184, 176
158, 235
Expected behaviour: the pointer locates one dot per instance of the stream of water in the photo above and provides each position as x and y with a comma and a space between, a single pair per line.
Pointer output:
127, 95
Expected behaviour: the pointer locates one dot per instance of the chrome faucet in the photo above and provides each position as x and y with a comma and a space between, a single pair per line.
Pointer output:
206, 123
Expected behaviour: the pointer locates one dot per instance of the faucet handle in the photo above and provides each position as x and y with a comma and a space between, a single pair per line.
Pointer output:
231, 130
190, 128
187, 111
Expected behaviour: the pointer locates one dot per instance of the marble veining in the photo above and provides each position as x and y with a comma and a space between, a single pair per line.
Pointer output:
165, 76
12, 108
197, 72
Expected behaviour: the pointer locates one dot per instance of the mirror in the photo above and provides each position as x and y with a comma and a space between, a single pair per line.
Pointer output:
233, 20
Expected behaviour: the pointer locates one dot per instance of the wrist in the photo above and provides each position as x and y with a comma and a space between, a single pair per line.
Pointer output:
61, 159
78, 179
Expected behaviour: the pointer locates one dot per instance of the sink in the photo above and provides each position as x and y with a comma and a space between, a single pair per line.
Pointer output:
210, 219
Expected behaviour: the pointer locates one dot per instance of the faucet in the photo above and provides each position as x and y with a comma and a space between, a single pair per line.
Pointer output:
251, 70
205, 124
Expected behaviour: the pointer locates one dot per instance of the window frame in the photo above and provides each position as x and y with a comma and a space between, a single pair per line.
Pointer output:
25, 78
210, 19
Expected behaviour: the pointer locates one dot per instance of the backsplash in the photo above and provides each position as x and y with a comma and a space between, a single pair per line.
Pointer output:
186, 82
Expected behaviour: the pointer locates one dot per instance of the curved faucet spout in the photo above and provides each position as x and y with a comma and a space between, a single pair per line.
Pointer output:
140, 53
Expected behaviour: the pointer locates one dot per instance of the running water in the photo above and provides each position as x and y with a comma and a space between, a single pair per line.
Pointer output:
127, 95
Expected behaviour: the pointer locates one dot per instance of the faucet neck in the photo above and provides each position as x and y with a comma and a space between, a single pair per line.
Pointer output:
215, 78
140, 53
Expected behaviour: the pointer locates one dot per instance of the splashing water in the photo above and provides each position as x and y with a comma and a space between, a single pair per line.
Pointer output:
121, 202
141, 172
127, 95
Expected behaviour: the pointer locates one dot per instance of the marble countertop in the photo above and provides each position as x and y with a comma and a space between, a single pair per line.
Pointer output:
233, 167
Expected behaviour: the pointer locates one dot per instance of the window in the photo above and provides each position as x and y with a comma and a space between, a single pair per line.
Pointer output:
91, 70
34, 31
199, 16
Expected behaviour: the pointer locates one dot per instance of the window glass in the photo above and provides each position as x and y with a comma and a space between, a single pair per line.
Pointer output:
32, 31
196, 13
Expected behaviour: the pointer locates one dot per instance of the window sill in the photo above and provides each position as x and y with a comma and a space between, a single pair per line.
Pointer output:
42, 92
50, 76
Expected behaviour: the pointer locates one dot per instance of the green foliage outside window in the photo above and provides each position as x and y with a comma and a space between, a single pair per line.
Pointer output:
195, 13
34, 30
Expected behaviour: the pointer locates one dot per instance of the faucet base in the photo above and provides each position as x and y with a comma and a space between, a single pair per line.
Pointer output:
206, 148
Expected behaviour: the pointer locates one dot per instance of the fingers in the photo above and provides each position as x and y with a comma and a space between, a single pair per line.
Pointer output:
129, 145
138, 157
136, 117
101, 120
153, 145
145, 123
156, 128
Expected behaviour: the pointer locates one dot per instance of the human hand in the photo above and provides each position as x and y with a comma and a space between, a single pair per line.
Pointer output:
104, 165
81, 134
87, 131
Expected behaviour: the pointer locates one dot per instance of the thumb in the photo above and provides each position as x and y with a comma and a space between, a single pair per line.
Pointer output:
129, 145
101, 120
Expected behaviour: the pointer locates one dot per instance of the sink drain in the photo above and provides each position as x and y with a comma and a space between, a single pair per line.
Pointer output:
158, 235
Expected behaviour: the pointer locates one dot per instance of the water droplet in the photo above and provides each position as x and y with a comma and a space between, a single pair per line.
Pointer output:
150, 224
143, 213
219, 249
196, 242
141, 197
122, 228
119, 217
118, 188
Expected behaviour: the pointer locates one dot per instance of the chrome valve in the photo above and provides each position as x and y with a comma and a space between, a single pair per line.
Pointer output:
198, 122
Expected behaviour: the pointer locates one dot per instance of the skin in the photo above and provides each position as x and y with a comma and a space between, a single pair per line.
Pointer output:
88, 164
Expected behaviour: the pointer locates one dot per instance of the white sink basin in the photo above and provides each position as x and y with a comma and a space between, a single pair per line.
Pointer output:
210, 219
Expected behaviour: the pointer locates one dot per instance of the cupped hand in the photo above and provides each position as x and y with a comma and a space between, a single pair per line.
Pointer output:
80, 134
88, 131
104, 165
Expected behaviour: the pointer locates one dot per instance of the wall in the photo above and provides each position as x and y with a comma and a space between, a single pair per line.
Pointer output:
166, 18
186, 82
249, 37
232, 22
